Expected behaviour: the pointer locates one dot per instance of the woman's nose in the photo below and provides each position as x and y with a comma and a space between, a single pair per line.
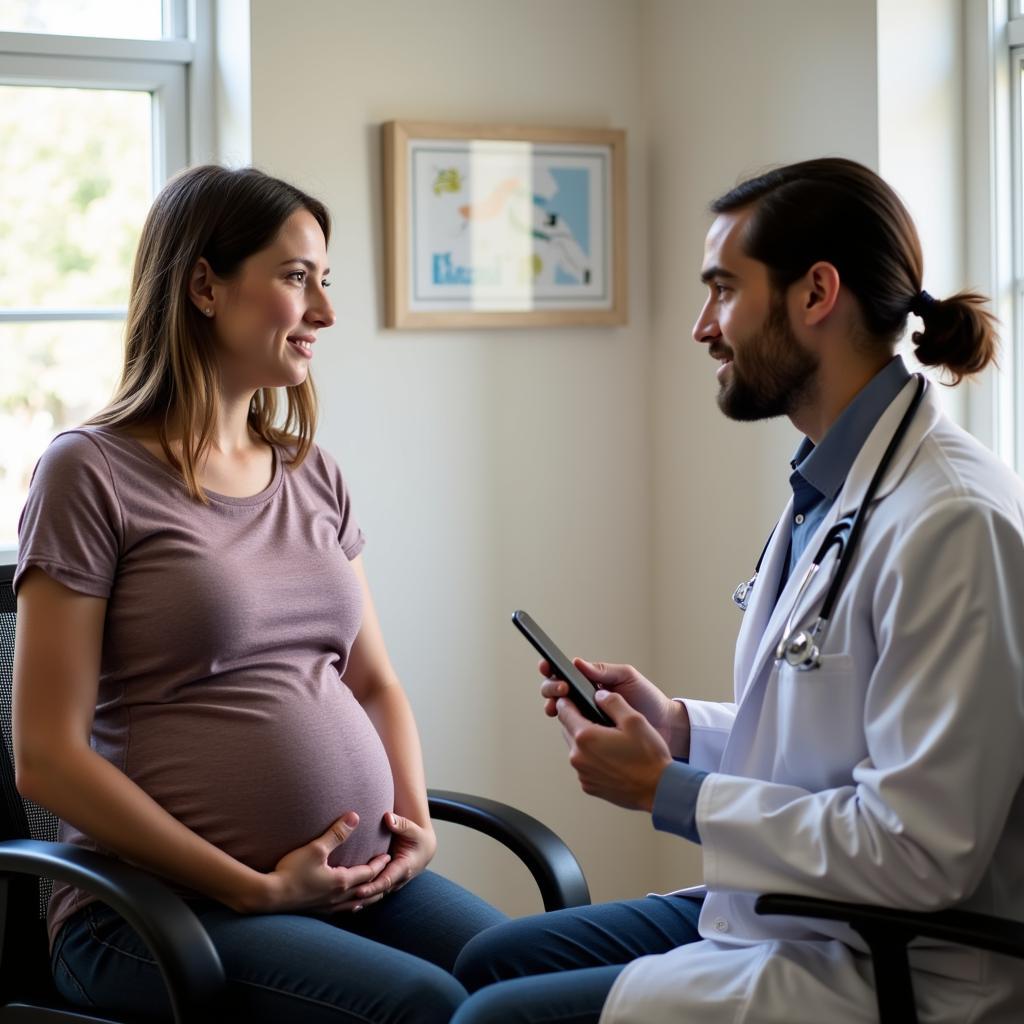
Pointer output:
322, 312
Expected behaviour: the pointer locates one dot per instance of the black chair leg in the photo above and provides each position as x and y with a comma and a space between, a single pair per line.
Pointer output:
894, 988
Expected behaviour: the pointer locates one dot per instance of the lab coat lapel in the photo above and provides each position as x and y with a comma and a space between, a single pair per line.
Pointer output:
762, 602
750, 669
815, 591
864, 466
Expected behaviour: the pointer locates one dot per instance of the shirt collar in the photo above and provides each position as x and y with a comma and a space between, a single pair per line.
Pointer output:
826, 466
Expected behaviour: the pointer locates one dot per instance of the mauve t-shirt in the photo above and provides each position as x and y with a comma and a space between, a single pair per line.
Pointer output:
227, 633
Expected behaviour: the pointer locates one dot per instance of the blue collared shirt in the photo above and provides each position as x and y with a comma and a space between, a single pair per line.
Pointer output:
819, 473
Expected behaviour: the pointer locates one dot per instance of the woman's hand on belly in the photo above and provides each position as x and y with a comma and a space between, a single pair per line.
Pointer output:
412, 849
303, 880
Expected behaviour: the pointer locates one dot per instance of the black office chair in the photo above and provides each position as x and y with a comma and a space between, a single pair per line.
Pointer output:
887, 933
192, 971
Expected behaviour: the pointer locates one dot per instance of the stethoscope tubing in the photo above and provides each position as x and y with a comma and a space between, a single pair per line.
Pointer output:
850, 548
845, 533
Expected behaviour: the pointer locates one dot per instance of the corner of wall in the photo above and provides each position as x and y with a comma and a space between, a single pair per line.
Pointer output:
921, 137
232, 82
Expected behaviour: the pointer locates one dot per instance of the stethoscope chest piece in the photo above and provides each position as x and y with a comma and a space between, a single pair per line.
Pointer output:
799, 650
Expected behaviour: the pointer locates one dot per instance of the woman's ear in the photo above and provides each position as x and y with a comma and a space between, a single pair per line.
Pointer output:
201, 287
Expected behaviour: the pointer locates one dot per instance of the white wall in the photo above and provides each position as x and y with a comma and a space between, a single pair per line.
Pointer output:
734, 86
491, 469
584, 474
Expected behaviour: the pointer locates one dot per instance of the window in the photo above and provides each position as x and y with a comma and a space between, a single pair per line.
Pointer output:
139, 19
994, 148
93, 119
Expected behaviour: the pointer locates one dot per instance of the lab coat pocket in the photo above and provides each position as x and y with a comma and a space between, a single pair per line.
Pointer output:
821, 723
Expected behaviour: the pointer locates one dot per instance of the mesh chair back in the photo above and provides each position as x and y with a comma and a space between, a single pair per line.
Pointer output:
19, 819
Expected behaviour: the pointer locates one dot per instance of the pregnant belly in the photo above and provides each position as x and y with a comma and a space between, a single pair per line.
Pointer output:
261, 780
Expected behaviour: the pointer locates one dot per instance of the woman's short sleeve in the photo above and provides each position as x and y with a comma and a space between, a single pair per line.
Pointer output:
71, 526
350, 536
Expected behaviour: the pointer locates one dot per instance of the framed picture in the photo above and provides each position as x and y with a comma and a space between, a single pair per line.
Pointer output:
494, 226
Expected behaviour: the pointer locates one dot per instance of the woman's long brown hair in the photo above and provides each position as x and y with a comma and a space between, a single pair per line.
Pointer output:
170, 373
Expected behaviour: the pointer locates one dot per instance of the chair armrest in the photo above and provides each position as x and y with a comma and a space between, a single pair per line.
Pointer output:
187, 959
555, 870
997, 934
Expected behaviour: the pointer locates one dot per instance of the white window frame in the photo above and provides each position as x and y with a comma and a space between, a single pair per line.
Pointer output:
177, 70
994, 137
1014, 354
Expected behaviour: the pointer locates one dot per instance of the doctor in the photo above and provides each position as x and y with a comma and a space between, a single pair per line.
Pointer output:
887, 766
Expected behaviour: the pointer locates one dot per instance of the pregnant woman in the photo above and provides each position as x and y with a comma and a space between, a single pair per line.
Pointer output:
201, 685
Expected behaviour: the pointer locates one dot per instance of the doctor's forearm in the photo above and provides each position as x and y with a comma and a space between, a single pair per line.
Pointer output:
675, 801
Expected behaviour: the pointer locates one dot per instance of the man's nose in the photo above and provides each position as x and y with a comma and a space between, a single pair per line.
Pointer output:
705, 330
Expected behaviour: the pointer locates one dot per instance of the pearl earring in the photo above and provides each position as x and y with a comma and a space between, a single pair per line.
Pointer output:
208, 311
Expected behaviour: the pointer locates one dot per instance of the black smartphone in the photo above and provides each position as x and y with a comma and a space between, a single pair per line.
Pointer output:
581, 689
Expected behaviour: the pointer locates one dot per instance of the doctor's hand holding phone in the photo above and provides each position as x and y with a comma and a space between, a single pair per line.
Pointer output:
668, 717
615, 750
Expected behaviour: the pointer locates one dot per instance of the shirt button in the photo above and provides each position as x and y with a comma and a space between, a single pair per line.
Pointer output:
721, 925
798, 518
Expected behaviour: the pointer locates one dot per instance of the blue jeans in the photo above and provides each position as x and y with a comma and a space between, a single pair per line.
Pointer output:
388, 964
559, 968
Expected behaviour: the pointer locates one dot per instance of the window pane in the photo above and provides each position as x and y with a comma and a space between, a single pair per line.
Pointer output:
76, 180
116, 19
55, 375
1010, 424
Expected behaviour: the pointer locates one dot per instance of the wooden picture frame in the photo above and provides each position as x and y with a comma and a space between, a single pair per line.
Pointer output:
503, 226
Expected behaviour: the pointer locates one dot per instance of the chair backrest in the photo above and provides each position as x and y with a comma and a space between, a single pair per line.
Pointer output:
19, 818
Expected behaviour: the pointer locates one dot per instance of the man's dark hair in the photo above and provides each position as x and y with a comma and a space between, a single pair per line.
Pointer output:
840, 212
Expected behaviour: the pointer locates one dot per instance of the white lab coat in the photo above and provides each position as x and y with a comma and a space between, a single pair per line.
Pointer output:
893, 774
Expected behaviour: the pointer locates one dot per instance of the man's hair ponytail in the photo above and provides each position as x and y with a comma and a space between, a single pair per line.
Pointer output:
959, 335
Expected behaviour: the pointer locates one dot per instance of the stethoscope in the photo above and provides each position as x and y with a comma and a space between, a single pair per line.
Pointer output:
801, 648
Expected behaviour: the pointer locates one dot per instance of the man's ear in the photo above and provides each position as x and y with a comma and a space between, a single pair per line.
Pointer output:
815, 294
201, 287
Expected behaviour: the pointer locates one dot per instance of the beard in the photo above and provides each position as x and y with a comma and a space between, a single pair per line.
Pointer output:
774, 376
